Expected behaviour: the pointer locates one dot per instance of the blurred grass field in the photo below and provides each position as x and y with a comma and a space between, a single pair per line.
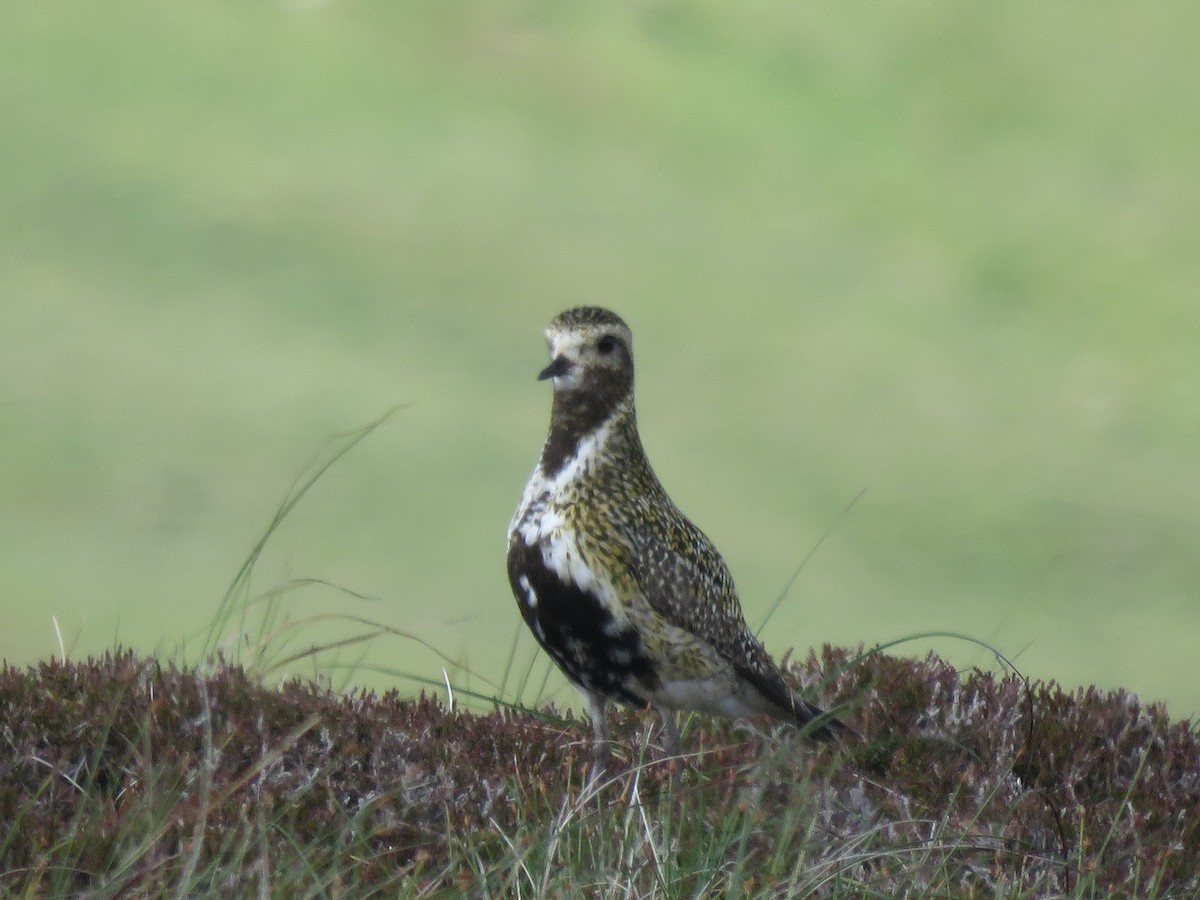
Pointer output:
946, 253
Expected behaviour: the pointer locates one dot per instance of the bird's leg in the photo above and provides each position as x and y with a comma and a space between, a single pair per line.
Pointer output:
671, 743
670, 732
601, 739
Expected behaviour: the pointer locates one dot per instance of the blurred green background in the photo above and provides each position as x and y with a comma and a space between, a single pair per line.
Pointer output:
944, 252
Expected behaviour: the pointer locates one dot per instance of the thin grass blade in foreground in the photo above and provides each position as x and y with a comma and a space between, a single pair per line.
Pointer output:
237, 597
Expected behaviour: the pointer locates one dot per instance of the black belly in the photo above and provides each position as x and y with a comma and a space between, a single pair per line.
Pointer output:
577, 631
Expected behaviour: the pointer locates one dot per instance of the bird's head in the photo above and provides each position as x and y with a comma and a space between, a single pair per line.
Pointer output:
591, 365
591, 355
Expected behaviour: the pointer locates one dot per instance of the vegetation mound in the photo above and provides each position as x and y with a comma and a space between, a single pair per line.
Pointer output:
131, 777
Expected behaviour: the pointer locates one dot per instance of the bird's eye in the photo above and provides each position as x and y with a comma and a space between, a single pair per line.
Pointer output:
606, 344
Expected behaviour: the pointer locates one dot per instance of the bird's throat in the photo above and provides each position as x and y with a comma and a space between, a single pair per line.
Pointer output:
576, 417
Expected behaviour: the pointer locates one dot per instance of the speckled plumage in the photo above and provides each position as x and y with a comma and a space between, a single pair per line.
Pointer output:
630, 598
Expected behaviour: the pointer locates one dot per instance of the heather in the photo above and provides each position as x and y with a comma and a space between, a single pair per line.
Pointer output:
126, 776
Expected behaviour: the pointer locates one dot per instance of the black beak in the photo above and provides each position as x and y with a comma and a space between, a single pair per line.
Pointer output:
560, 366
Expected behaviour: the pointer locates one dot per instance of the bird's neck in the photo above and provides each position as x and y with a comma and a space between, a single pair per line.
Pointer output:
579, 421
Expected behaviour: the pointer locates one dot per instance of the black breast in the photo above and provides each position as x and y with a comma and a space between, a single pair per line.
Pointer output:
577, 631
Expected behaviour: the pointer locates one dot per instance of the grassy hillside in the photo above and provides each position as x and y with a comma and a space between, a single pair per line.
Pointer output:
946, 254
132, 778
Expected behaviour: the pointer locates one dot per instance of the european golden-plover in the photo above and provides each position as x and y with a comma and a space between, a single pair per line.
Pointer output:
630, 599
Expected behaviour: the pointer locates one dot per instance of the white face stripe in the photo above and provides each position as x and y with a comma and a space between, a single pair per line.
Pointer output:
540, 522
531, 599
567, 344
541, 490
585, 457
561, 554
575, 344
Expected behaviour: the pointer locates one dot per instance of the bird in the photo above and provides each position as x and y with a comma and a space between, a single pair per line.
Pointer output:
631, 600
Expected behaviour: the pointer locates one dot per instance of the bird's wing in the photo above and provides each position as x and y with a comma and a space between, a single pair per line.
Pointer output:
684, 578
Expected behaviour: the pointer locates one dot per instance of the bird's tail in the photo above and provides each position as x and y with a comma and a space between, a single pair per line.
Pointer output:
784, 703
818, 723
